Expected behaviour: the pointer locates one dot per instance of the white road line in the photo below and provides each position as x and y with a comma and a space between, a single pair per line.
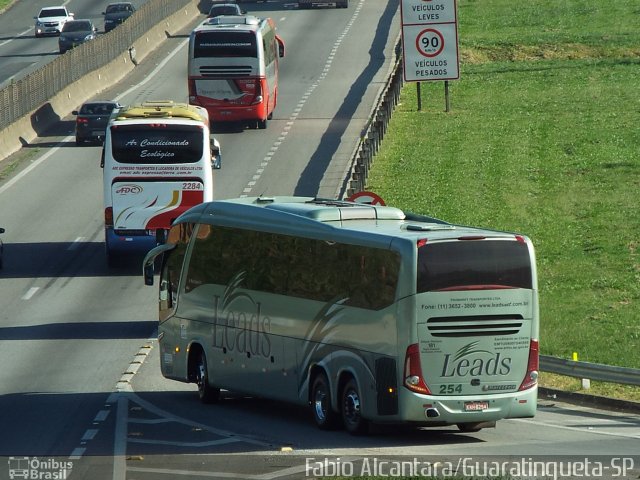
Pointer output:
77, 453
89, 435
582, 430
101, 416
76, 243
30, 293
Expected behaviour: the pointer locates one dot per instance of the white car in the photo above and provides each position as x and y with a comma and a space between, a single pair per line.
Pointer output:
50, 20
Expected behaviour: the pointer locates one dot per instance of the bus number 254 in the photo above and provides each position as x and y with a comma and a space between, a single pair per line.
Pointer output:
450, 388
191, 186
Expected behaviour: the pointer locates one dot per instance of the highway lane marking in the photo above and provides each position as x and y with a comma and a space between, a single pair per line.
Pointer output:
101, 416
30, 293
327, 67
584, 429
77, 453
89, 435
76, 243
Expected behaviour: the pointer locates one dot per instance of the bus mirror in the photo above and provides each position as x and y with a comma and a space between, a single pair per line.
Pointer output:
280, 46
216, 157
148, 273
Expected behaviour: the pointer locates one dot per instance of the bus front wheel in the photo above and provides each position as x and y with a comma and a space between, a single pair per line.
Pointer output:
351, 408
323, 414
206, 392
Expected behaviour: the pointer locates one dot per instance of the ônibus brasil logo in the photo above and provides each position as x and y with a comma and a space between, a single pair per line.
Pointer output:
129, 189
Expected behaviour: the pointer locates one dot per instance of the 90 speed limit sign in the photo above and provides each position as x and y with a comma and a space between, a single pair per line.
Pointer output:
430, 52
430, 43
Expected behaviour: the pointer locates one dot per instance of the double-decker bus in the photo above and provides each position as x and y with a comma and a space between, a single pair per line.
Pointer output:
157, 160
366, 313
233, 68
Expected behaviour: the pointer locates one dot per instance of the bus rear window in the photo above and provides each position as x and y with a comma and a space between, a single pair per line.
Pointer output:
225, 44
157, 143
477, 264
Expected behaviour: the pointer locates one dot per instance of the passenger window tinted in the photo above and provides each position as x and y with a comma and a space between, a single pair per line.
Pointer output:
299, 267
460, 265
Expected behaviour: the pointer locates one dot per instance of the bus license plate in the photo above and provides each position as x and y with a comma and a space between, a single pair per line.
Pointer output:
475, 406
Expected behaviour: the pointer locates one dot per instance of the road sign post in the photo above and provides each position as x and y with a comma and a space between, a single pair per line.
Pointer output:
430, 41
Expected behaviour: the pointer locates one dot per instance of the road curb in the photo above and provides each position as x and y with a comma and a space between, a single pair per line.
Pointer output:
587, 400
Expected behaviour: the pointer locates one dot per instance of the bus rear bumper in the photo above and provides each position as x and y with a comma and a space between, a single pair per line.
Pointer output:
123, 242
448, 410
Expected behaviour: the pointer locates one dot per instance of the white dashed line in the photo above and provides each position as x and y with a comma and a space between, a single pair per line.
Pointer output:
30, 293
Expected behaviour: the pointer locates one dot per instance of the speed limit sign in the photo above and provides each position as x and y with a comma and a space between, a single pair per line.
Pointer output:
430, 43
429, 40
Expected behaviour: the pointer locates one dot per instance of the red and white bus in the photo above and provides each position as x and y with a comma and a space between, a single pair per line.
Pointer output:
157, 159
233, 68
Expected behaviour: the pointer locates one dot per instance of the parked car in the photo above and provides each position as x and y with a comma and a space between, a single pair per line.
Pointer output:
1, 247
116, 13
218, 9
76, 32
92, 119
50, 20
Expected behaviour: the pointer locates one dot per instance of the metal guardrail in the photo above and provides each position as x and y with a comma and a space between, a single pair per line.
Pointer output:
592, 371
23, 96
375, 131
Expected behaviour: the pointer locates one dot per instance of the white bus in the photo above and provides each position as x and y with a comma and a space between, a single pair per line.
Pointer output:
233, 68
157, 160
366, 313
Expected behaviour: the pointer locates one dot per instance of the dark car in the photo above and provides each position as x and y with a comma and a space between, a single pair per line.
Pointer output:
76, 32
218, 9
92, 119
116, 13
1, 247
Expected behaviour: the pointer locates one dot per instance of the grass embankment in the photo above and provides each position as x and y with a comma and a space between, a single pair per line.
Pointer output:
542, 139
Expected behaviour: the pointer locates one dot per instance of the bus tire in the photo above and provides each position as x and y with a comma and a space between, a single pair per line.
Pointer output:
206, 392
262, 124
323, 414
470, 427
351, 409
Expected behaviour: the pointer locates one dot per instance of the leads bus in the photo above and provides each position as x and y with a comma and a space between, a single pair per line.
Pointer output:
157, 160
233, 68
365, 313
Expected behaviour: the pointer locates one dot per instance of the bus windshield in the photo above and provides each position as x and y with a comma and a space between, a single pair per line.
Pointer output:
157, 143
225, 44
477, 264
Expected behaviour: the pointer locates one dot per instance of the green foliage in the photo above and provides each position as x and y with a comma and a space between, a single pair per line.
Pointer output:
542, 138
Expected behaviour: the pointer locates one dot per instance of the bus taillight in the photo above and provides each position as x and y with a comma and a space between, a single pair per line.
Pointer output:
531, 377
413, 371
108, 217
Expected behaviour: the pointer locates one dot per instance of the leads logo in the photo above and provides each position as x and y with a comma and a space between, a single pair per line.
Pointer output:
129, 190
483, 362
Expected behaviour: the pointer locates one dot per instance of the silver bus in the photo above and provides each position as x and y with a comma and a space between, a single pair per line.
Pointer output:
365, 313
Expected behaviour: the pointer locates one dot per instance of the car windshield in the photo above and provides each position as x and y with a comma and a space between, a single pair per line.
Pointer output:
118, 7
97, 109
77, 27
53, 12
224, 10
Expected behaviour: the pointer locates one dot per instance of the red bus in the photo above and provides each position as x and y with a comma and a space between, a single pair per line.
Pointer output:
233, 68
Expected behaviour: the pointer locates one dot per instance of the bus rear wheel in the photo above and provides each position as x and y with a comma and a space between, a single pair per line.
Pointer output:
469, 427
206, 392
351, 408
262, 124
323, 414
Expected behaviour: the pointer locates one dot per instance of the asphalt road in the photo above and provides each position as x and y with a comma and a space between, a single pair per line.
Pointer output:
80, 388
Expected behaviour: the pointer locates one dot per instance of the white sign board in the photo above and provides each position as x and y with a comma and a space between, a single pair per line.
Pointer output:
429, 40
